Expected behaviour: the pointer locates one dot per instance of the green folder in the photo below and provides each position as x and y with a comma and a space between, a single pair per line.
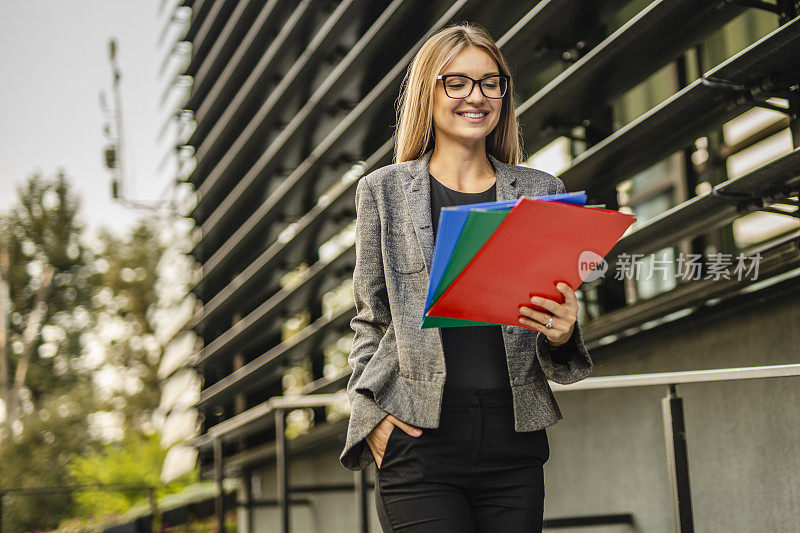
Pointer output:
480, 225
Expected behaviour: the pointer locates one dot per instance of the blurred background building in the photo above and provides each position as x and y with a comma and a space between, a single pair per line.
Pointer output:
682, 112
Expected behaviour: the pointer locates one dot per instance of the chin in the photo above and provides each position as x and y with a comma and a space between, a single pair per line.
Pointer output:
473, 135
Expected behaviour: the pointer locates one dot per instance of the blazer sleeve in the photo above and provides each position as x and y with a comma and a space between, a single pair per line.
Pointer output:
569, 362
370, 324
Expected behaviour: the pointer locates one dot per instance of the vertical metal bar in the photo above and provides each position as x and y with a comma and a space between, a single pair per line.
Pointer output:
677, 460
362, 514
283, 468
1, 511
247, 483
151, 500
219, 502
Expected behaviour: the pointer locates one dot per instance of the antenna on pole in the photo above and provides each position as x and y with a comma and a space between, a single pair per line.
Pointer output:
113, 152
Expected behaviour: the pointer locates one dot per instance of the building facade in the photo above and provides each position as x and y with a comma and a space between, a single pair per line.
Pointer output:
684, 113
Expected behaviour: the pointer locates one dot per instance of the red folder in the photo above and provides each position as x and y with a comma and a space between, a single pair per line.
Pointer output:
537, 245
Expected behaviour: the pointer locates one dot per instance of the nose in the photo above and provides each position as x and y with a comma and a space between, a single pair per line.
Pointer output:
476, 92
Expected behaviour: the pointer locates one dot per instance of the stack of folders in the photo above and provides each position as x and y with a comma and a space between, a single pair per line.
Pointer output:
491, 258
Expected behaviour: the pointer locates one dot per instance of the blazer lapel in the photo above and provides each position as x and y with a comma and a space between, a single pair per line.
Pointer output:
418, 193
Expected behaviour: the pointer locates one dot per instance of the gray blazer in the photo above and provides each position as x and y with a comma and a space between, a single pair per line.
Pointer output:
398, 367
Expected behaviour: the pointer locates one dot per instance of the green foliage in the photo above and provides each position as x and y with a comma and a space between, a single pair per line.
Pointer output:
38, 458
134, 462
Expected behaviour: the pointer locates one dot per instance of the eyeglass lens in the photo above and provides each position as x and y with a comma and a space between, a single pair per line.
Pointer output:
461, 86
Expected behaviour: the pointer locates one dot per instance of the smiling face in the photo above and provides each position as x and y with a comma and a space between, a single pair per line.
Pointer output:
449, 119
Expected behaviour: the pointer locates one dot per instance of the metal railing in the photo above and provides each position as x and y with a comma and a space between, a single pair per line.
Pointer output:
672, 413
674, 434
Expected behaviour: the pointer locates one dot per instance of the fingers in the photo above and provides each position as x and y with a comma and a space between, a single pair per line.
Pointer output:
378, 458
565, 310
546, 303
537, 316
371, 445
554, 335
408, 428
380, 442
378, 438
570, 300
551, 333
563, 315
530, 324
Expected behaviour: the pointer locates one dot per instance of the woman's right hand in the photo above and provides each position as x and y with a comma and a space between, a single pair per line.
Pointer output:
379, 436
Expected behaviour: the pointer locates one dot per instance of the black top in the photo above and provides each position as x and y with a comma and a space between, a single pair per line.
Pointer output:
475, 356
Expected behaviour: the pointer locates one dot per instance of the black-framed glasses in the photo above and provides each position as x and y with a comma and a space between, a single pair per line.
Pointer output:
459, 86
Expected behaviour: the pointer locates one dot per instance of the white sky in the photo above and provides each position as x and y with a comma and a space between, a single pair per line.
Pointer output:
54, 63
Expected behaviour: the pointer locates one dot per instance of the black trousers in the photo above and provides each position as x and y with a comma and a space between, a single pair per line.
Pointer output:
473, 473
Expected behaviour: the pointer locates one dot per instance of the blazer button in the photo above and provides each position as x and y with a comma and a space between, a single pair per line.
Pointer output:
509, 328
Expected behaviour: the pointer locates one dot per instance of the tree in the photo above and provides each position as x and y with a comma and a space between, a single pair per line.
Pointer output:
128, 269
46, 285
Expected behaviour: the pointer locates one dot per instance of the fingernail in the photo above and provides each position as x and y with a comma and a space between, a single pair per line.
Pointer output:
417, 433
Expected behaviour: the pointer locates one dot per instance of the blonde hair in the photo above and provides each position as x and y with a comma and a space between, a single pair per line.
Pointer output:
415, 135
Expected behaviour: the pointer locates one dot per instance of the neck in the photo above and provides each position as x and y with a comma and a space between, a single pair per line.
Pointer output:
461, 167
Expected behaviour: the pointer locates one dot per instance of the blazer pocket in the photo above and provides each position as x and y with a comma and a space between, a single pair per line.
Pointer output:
402, 250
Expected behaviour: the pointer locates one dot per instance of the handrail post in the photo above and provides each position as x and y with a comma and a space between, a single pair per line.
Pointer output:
677, 460
362, 515
283, 467
247, 487
219, 500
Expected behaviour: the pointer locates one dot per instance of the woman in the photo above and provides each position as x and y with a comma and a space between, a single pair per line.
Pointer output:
453, 417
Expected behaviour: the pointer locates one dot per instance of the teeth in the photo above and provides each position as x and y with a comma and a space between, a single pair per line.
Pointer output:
473, 115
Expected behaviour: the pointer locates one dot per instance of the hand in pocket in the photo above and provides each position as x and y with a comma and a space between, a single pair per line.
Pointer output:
379, 436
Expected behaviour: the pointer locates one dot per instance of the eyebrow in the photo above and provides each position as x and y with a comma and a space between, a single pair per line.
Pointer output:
495, 73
